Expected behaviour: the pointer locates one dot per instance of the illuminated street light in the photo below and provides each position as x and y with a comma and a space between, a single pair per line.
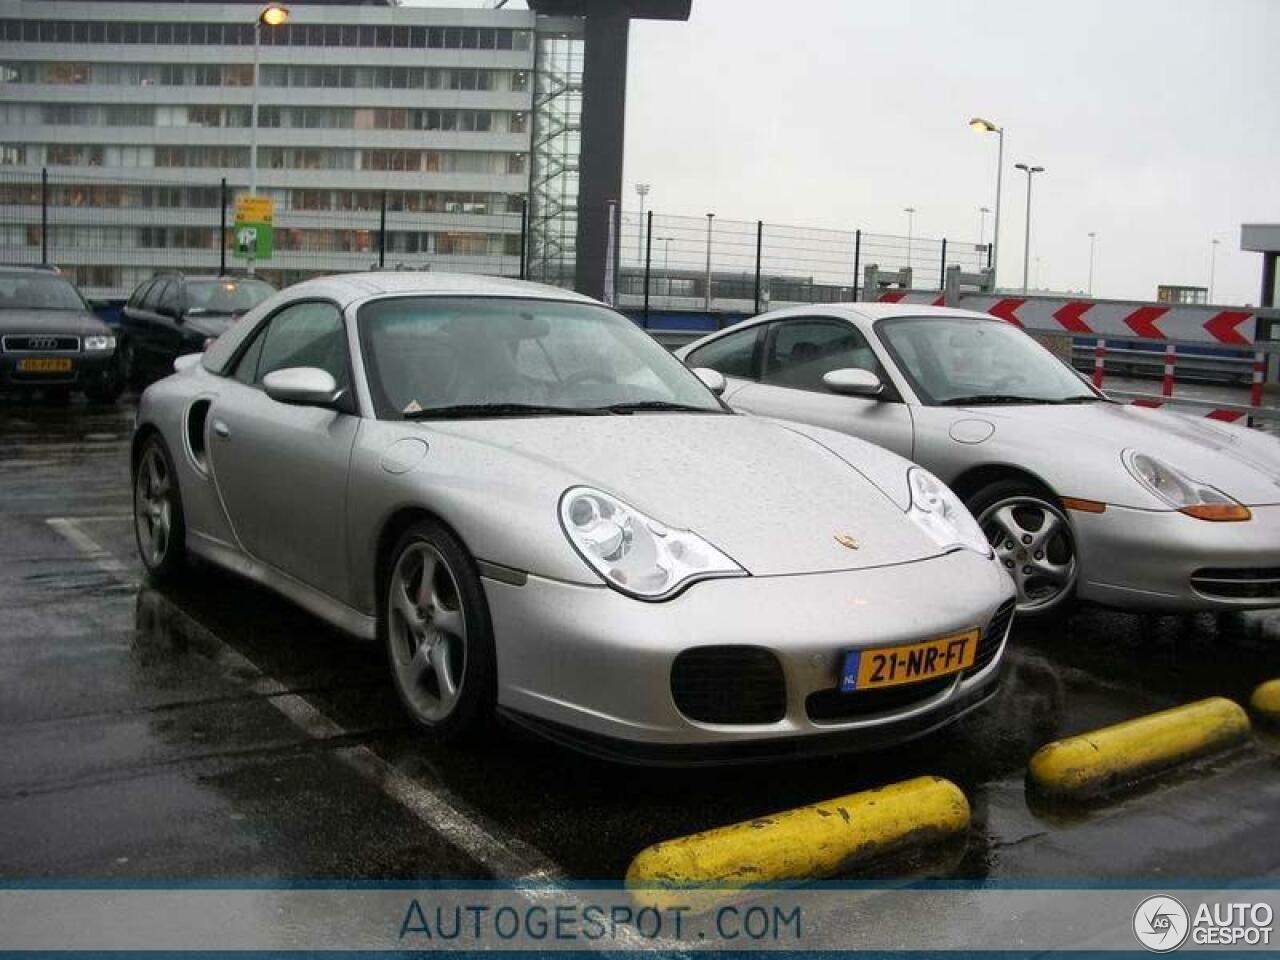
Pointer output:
986, 126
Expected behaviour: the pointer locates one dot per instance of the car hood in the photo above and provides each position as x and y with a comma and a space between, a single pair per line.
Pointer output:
1241, 462
771, 498
67, 322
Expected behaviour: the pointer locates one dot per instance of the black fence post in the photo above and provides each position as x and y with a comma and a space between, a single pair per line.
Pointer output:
990, 248
759, 250
44, 216
382, 232
857, 261
524, 232
222, 231
942, 277
648, 260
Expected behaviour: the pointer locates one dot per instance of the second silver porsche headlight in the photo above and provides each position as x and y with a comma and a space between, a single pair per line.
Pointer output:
939, 513
1184, 494
634, 553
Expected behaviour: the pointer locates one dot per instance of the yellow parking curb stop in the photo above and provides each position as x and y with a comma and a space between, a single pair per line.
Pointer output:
807, 843
1087, 766
1265, 701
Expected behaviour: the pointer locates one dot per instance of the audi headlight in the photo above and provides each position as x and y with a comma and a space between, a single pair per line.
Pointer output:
939, 513
99, 343
635, 553
1184, 494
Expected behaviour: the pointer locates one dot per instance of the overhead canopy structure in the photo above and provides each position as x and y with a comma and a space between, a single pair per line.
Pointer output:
604, 104
1263, 238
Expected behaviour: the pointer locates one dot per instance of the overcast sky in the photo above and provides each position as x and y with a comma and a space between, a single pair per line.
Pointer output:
1158, 122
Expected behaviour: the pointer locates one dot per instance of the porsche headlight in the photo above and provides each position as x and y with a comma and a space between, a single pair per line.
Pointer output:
635, 553
99, 343
939, 513
1184, 494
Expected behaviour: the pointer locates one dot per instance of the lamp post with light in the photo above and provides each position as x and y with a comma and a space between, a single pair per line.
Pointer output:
1026, 249
272, 15
986, 126
642, 191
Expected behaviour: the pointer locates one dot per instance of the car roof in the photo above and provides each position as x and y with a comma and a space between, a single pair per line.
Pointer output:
878, 311
359, 286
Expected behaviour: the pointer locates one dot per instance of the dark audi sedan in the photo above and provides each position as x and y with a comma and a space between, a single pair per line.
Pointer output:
176, 313
51, 341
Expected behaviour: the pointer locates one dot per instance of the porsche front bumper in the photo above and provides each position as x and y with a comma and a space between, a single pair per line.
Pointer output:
1166, 561
593, 667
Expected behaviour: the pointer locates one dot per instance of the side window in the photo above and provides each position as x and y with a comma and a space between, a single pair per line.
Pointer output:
152, 297
801, 351
304, 335
246, 370
169, 298
733, 355
141, 293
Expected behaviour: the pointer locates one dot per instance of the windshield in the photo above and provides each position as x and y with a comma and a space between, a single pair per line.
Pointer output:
959, 360
223, 295
442, 357
38, 291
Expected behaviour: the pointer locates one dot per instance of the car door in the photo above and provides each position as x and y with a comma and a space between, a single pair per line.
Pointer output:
149, 329
282, 469
795, 354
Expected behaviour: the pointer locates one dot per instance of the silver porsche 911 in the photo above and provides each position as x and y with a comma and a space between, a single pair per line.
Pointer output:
537, 509
1078, 495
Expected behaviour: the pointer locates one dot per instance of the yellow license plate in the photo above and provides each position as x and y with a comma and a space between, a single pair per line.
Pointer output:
910, 662
44, 365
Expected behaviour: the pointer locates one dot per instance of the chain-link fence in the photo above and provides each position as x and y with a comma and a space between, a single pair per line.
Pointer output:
110, 234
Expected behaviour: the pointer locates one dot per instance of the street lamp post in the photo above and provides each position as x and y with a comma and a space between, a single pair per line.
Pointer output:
707, 300
1026, 249
1213, 263
1093, 240
986, 126
642, 190
272, 15
911, 215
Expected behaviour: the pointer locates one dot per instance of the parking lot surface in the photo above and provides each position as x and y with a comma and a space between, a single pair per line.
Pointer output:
216, 732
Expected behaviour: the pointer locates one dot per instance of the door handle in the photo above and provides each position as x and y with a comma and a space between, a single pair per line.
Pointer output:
222, 430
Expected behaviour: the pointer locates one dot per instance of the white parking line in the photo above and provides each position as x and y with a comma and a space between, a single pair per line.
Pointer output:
507, 857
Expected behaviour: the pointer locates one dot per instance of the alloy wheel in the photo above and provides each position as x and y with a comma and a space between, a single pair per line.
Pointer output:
153, 506
1032, 539
428, 632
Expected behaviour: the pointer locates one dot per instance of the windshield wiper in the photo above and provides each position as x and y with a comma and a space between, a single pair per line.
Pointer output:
463, 411
980, 399
660, 405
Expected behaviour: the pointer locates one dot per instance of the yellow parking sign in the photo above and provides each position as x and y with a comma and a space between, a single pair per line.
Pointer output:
254, 236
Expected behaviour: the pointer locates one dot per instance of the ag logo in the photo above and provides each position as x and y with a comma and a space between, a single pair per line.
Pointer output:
1161, 923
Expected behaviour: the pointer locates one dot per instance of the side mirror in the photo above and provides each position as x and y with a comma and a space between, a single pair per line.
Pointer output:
713, 380
853, 382
301, 386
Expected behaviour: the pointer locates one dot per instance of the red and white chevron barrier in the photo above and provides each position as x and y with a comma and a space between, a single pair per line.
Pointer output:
1225, 414
1133, 320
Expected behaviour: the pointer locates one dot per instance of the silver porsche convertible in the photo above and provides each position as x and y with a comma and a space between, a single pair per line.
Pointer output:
538, 510
1078, 495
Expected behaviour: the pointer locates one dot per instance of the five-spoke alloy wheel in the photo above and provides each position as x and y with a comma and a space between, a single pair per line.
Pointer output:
157, 511
438, 637
1032, 539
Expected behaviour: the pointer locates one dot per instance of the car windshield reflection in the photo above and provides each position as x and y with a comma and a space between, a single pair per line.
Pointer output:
453, 358
962, 361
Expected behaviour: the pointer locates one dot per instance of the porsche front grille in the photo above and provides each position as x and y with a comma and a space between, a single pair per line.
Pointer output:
729, 684
1242, 583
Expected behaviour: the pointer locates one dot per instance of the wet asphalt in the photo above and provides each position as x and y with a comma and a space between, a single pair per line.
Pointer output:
144, 735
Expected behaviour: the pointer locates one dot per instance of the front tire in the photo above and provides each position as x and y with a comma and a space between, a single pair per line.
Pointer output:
1032, 537
158, 523
437, 633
